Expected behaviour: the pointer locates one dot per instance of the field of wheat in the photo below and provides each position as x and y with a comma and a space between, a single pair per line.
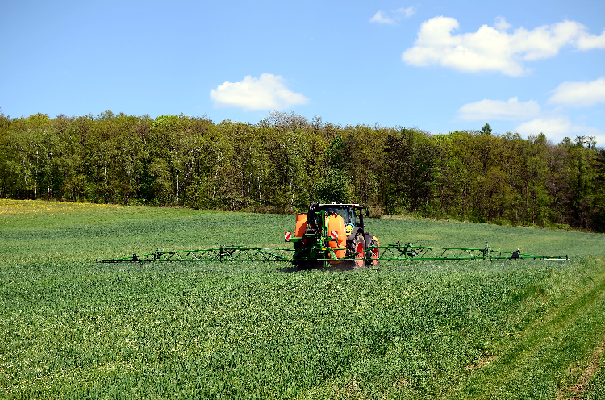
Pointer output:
74, 328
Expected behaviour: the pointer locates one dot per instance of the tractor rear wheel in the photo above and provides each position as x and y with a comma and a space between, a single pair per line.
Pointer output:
358, 251
373, 254
301, 257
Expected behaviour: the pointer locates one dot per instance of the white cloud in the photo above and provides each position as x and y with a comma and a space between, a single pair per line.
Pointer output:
579, 94
587, 42
545, 41
405, 12
487, 49
381, 18
552, 127
493, 49
558, 127
268, 92
499, 110
501, 24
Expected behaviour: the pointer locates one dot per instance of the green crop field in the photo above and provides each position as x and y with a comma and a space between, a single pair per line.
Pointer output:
74, 328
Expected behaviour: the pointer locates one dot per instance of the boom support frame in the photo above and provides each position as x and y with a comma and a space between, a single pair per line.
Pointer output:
391, 252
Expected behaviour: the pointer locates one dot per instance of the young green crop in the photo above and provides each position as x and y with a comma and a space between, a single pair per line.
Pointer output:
596, 386
70, 327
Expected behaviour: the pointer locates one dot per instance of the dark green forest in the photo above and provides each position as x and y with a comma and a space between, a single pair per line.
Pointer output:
285, 161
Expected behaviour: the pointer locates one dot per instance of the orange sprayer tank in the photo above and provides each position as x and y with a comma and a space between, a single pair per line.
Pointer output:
336, 224
301, 225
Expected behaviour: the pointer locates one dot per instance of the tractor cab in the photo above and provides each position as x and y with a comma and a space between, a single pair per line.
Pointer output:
352, 215
346, 211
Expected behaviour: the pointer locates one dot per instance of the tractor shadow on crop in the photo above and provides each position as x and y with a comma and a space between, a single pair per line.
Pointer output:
341, 267
299, 267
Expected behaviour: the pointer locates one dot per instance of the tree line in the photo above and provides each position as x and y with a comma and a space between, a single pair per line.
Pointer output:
285, 161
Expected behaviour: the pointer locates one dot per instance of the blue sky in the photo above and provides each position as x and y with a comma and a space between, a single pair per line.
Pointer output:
521, 66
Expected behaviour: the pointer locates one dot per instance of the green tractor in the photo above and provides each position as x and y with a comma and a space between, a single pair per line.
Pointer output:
333, 234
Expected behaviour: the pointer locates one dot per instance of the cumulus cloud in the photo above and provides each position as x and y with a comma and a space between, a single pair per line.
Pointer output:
559, 127
579, 94
405, 12
382, 18
587, 42
493, 49
510, 110
501, 24
268, 92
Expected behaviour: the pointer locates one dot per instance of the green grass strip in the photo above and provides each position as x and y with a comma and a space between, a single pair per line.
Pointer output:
541, 359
